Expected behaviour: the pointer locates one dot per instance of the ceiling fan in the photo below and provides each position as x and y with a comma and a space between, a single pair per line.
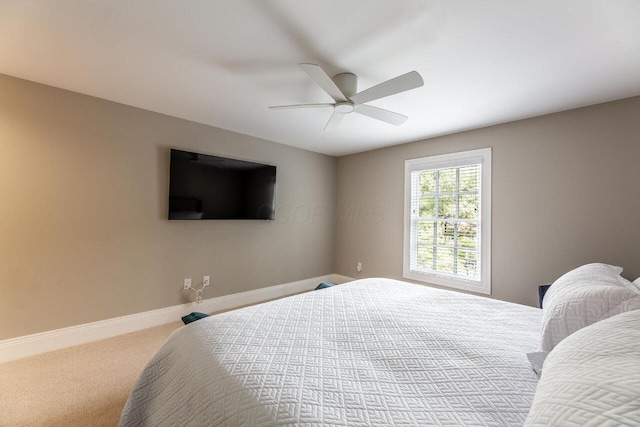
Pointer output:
342, 88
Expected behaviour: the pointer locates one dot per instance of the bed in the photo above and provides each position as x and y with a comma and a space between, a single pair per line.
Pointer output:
371, 352
378, 352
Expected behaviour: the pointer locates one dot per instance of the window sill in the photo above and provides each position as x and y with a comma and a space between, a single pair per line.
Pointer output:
482, 287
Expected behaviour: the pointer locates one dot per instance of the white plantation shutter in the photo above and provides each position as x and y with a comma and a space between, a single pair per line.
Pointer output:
447, 220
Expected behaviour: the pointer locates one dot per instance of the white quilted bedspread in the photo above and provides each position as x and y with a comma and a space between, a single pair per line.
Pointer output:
372, 352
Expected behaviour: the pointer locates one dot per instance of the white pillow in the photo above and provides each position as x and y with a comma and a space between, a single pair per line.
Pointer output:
592, 378
632, 286
582, 297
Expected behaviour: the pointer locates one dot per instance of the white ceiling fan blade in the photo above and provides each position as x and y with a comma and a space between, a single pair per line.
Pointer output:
334, 121
283, 107
380, 114
402, 83
321, 78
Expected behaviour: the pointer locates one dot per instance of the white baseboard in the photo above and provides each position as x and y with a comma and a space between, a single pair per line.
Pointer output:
29, 345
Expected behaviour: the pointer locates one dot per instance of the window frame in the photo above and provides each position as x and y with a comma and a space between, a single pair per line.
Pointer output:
480, 156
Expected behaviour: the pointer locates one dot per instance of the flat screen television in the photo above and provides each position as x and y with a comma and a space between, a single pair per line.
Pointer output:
202, 186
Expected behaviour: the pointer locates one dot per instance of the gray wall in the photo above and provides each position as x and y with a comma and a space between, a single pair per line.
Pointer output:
566, 191
84, 234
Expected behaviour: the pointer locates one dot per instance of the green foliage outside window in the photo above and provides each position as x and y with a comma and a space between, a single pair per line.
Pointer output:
448, 239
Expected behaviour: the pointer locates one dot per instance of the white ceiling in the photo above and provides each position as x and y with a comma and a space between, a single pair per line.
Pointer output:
224, 62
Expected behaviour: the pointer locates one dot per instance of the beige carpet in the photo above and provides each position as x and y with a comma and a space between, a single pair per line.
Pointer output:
86, 385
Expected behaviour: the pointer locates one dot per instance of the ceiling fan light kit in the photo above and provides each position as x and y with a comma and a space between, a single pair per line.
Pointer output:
343, 89
343, 107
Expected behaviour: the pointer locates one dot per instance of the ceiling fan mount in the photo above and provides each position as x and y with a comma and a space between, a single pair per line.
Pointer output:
343, 88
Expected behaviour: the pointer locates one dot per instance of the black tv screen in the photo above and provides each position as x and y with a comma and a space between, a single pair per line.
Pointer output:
210, 187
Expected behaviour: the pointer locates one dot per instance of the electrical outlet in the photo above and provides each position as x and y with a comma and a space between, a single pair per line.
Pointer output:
187, 283
206, 280
359, 267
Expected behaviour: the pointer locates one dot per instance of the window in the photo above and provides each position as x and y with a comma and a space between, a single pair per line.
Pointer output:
447, 232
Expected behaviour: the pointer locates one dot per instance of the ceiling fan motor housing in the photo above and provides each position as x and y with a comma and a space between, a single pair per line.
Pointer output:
347, 83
